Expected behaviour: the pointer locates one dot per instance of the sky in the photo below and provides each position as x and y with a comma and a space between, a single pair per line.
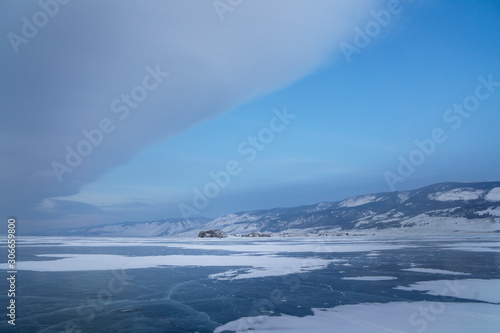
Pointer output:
114, 111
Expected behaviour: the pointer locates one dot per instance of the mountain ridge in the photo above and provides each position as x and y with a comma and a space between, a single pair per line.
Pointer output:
441, 207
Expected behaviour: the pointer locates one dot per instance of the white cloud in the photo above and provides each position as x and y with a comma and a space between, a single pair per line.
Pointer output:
64, 80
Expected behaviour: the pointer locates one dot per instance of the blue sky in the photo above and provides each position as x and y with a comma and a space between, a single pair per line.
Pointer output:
353, 118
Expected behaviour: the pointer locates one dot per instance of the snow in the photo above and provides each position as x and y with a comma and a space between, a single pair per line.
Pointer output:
403, 196
431, 222
236, 223
434, 224
493, 195
382, 217
290, 247
141, 229
431, 317
370, 278
260, 259
252, 266
474, 244
319, 207
475, 247
433, 271
456, 194
357, 201
495, 211
472, 289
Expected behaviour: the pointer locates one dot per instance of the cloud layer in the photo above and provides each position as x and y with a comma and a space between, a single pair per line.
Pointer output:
73, 76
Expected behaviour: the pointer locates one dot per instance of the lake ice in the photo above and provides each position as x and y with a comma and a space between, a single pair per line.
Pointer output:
352, 284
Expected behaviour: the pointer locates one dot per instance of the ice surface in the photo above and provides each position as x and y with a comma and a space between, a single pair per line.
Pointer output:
431, 317
473, 289
233, 244
254, 266
188, 283
475, 247
433, 271
290, 248
474, 244
370, 278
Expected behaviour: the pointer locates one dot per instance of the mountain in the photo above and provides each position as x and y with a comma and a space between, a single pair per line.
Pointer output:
444, 207
164, 227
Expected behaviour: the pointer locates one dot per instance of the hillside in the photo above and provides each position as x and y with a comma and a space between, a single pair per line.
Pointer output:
444, 207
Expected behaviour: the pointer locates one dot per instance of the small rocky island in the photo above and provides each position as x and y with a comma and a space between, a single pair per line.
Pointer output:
213, 233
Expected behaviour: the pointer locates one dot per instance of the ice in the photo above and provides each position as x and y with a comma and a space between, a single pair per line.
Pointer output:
370, 278
290, 248
202, 283
475, 247
234, 244
474, 244
433, 271
473, 289
254, 266
430, 317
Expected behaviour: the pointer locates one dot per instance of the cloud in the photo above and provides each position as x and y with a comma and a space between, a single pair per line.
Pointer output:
65, 79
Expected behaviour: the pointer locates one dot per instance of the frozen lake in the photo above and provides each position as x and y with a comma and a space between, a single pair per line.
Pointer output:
324, 284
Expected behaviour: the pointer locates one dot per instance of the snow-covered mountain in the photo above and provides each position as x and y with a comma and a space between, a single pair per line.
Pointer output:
137, 229
444, 207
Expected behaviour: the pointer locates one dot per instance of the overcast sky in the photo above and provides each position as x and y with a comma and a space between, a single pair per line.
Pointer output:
117, 111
